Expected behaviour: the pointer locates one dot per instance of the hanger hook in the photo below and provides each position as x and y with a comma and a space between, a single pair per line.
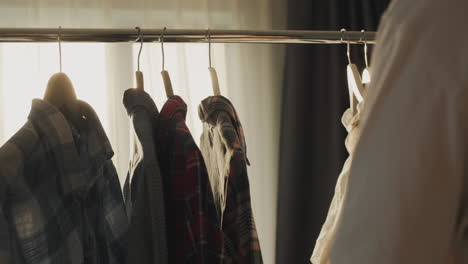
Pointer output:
161, 39
208, 35
59, 39
347, 45
140, 37
365, 48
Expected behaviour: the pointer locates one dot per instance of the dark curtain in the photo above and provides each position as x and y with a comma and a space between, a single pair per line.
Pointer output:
315, 96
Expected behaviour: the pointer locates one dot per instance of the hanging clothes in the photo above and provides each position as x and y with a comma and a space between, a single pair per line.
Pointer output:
327, 234
194, 233
224, 150
60, 193
407, 196
144, 196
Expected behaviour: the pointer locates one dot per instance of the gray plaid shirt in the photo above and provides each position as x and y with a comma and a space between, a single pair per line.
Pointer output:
60, 196
225, 152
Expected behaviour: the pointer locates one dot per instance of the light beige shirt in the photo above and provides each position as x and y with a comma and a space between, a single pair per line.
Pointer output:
407, 197
327, 233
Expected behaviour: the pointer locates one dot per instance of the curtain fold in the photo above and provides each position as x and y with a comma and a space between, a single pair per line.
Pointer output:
102, 72
314, 97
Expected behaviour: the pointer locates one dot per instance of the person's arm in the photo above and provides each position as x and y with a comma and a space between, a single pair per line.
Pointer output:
407, 185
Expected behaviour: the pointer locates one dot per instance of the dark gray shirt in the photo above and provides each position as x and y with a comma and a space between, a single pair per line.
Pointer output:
143, 188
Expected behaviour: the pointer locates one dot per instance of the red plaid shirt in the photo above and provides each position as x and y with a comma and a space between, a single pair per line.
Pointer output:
193, 229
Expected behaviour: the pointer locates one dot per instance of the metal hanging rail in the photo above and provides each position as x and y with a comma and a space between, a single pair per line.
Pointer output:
186, 35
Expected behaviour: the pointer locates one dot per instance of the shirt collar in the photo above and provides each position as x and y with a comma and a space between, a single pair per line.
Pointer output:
134, 98
75, 168
174, 105
212, 107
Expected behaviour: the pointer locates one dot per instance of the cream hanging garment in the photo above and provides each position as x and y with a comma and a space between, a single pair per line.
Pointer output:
352, 124
351, 121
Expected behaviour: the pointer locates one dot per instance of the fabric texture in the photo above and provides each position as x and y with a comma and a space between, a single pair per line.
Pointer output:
101, 73
224, 150
408, 184
313, 101
322, 246
60, 195
144, 186
194, 233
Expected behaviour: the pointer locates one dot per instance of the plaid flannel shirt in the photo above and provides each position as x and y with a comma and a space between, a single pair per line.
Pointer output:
60, 196
144, 196
224, 150
194, 234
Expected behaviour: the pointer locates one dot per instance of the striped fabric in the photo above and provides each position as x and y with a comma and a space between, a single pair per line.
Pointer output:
194, 233
59, 192
224, 150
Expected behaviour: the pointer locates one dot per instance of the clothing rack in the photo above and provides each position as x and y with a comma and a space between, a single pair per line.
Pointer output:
186, 35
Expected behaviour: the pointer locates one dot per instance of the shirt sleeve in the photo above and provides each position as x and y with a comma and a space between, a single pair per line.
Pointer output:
11, 163
407, 184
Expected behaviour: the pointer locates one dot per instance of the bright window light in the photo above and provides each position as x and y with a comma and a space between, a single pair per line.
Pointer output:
26, 68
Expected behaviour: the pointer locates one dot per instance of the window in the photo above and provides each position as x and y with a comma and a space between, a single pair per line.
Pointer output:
100, 73
26, 68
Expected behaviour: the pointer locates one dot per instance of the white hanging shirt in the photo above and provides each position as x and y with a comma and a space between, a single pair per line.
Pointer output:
322, 246
407, 196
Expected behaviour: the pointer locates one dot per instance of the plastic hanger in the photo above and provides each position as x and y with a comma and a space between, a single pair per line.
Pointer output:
164, 73
60, 91
354, 78
355, 86
366, 75
140, 85
212, 71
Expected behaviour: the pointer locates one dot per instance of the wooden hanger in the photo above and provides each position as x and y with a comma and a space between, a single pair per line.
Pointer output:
212, 70
165, 75
61, 93
140, 85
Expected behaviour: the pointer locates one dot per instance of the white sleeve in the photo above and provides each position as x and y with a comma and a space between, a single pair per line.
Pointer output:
407, 184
